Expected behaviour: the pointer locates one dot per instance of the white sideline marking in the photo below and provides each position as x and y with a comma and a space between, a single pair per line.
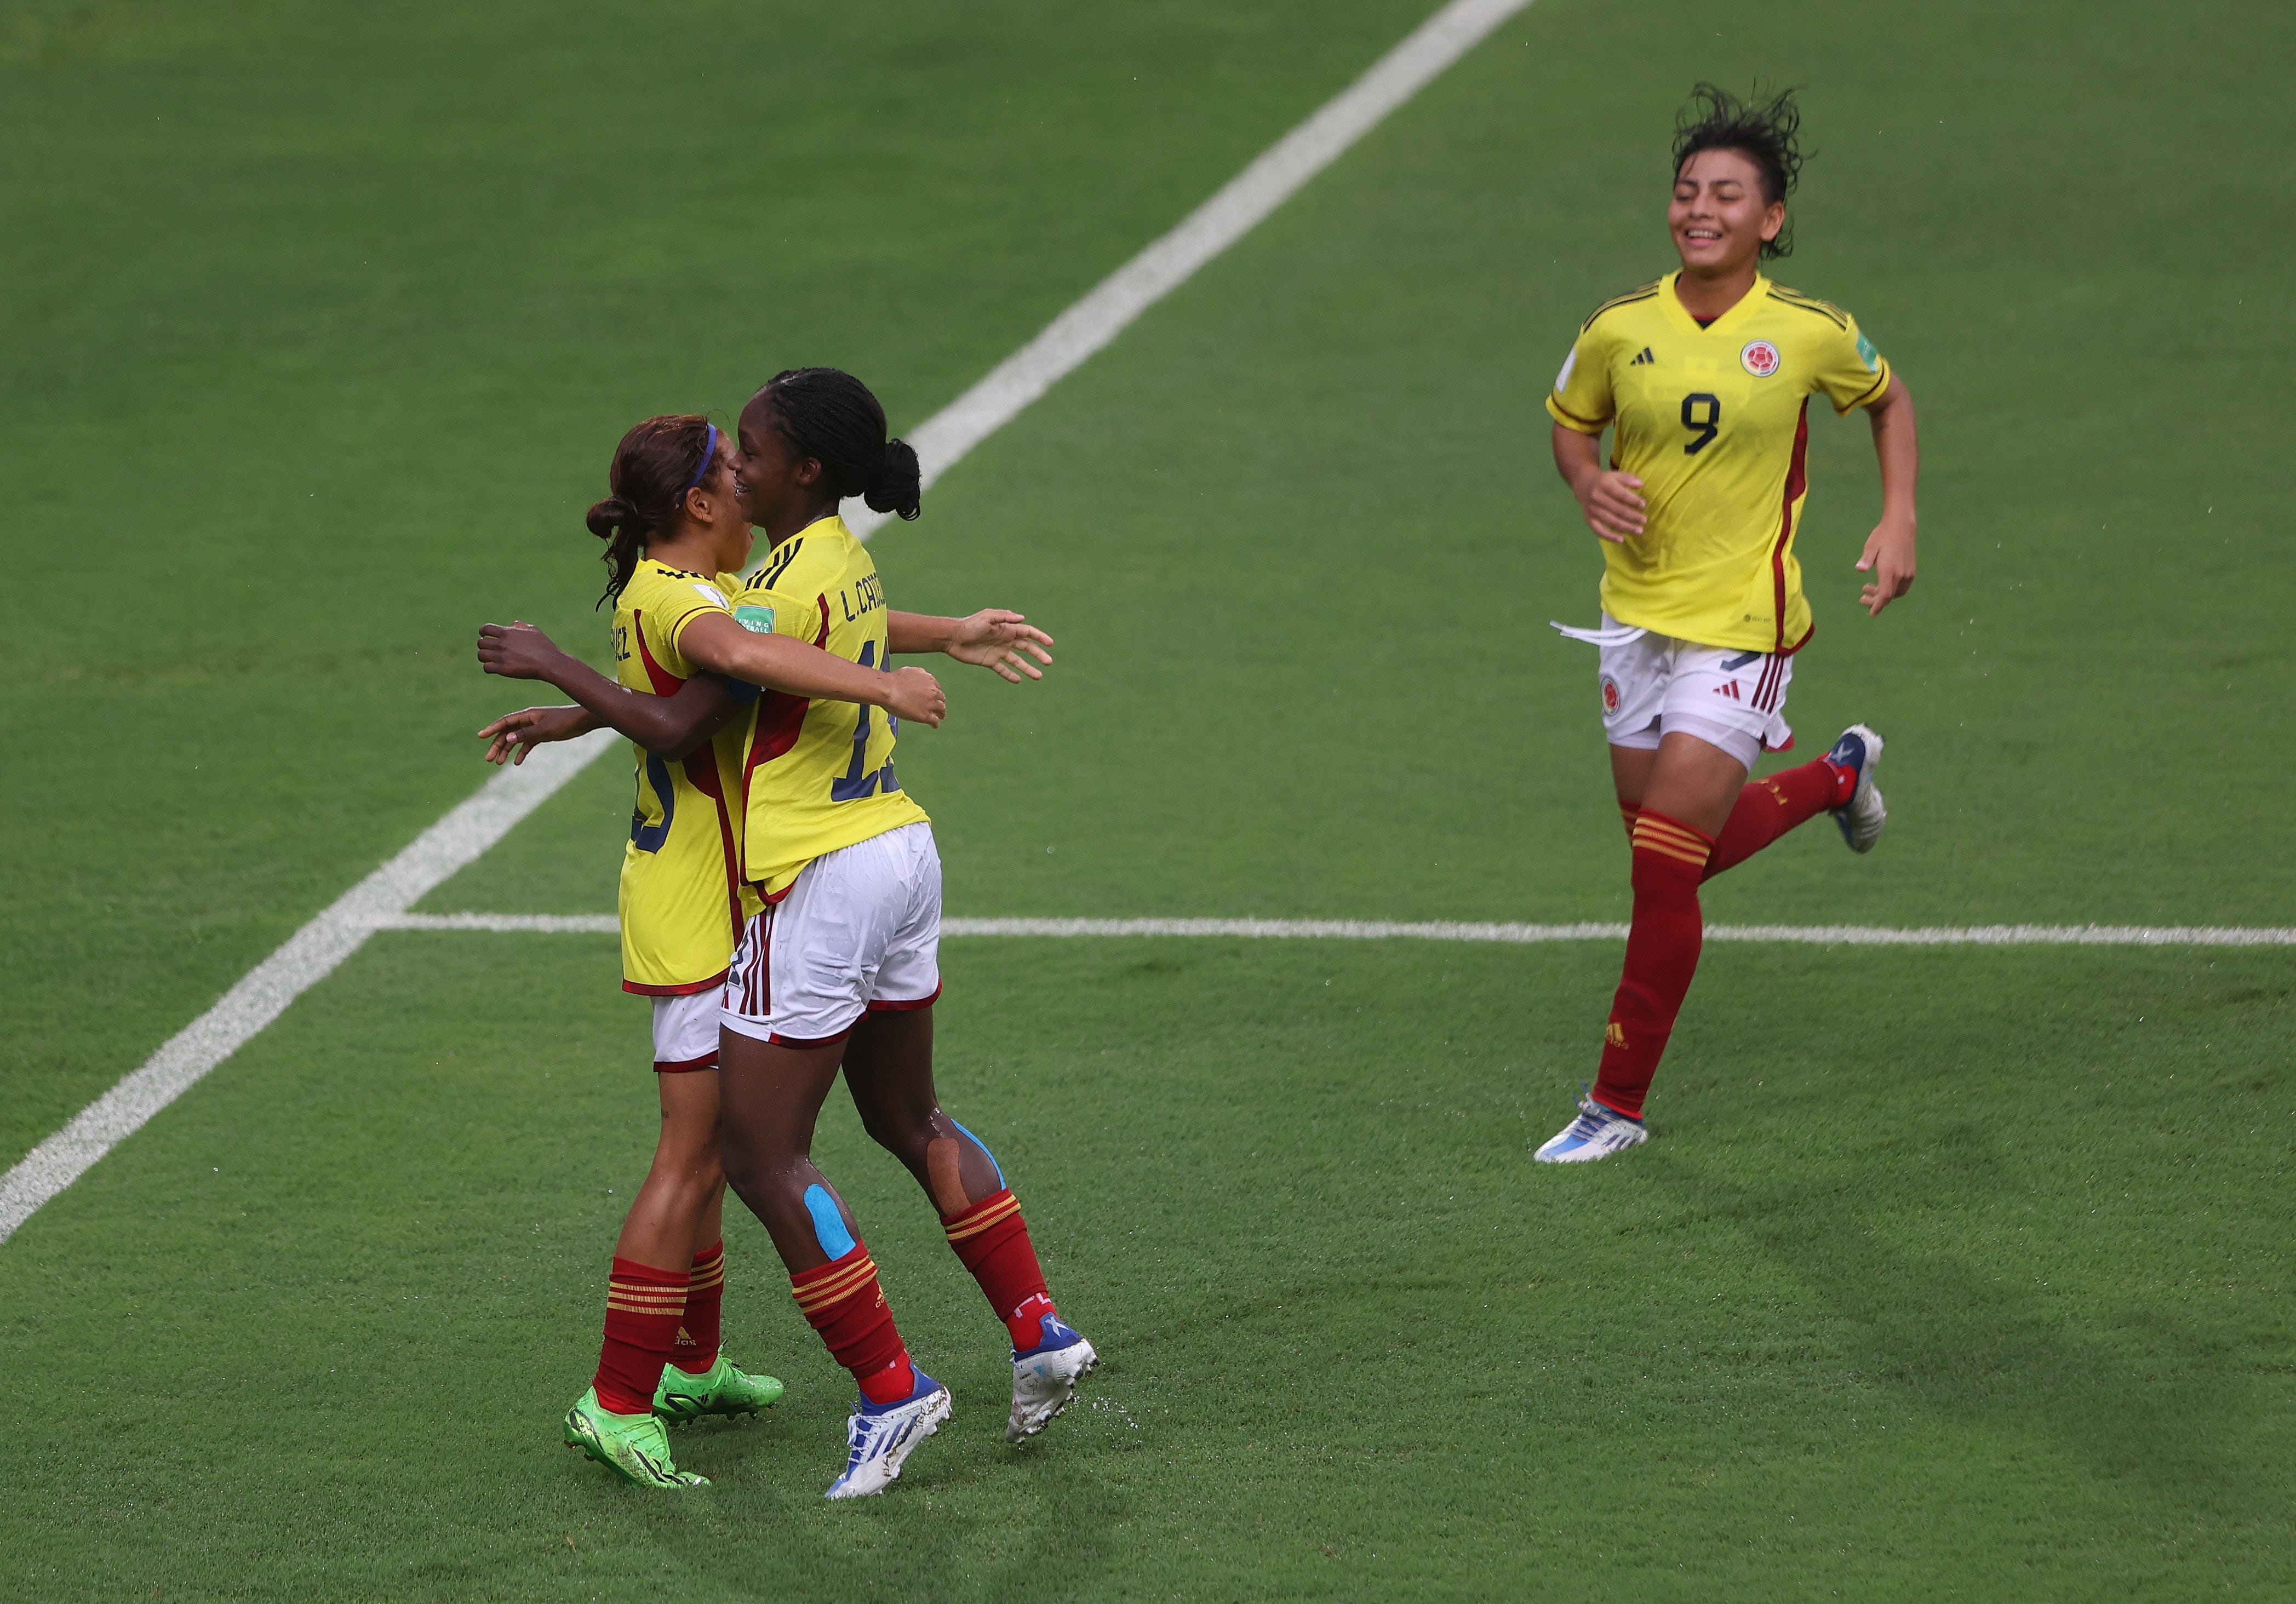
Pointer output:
312, 952
1354, 929
307, 958
1240, 207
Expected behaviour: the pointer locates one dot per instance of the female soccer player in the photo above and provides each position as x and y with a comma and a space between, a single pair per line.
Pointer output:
675, 530
839, 968
1704, 378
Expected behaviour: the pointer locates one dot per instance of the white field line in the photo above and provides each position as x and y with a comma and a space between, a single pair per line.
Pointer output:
1517, 935
312, 952
307, 957
1246, 200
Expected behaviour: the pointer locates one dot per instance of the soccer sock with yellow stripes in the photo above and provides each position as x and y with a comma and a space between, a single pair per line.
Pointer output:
643, 1306
842, 1302
1662, 946
1768, 808
696, 1352
991, 1240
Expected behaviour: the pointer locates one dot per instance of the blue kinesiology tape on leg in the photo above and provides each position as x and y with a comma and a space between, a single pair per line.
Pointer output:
985, 1153
828, 1221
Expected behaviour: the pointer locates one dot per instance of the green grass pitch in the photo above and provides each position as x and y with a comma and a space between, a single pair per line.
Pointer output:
1955, 1273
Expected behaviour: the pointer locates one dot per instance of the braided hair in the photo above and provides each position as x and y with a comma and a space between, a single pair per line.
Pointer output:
1765, 132
655, 465
828, 414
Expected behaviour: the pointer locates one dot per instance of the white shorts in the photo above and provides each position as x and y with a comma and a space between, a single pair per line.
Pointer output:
858, 931
1653, 685
685, 1031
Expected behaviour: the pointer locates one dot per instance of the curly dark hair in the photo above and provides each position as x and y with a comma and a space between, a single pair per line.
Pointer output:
1767, 132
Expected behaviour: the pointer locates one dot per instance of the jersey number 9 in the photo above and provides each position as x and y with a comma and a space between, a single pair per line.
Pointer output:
1705, 428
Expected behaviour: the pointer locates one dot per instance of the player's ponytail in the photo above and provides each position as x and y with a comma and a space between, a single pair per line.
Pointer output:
1766, 133
828, 414
655, 465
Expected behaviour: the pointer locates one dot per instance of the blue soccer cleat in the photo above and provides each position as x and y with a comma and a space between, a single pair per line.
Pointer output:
881, 1437
1861, 817
1045, 1378
1596, 1133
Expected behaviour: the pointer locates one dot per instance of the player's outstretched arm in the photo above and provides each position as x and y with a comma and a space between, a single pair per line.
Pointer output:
785, 664
674, 726
1888, 553
1610, 499
994, 638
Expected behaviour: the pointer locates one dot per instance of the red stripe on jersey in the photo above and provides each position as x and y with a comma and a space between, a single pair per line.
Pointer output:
686, 990
1797, 485
665, 683
781, 716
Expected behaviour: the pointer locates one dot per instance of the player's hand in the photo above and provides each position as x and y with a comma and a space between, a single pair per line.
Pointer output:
516, 650
515, 734
1888, 557
995, 638
1613, 505
916, 694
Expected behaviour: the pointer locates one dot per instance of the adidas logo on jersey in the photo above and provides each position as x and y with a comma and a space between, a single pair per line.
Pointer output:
1645, 358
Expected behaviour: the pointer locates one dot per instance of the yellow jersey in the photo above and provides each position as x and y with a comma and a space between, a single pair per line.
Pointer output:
818, 775
683, 897
1715, 421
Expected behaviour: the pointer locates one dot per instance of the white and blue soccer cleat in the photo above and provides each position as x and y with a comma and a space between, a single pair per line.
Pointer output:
1045, 1378
881, 1437
1596, 1133
1861, 817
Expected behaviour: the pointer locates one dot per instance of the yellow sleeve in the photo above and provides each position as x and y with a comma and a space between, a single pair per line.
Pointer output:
1850, 370
1581, 397
763, 610
682, 601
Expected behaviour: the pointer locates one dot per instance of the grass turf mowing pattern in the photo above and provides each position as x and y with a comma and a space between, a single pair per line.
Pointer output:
359, 301
1842, 1324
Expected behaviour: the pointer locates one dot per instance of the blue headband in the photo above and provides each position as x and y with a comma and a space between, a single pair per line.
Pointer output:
709, 456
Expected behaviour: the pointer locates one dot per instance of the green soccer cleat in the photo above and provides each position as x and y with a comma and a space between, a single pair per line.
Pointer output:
634, 1447
725, 1389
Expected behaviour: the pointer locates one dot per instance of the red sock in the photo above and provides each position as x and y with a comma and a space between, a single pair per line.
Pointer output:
842, 1301
1661, 956
991, 1240
644, 1305
1628, 812
705, 1299
1767, 808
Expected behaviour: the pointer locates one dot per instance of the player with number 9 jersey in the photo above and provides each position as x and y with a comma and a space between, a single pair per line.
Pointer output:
817, 776
683, 893
1714, 420
1703, 378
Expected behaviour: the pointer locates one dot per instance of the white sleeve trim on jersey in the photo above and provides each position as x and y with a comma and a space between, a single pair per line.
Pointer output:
1563, 377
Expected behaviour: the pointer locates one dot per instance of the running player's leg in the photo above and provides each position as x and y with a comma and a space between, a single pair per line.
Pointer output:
1689, 795
1686, 788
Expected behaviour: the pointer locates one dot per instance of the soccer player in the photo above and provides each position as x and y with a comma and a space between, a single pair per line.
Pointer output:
839, 968
1704, 377
676, 529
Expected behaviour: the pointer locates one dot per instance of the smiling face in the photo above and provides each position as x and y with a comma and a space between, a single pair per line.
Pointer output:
1720, 214
784, 489
719, 506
